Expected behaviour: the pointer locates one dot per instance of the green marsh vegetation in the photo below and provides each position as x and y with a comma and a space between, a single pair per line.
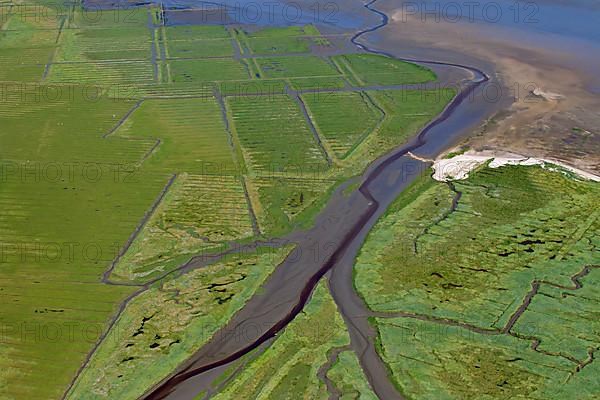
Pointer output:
446, 362
404, 111
267, 144
26, 43
167, 323
207, 70
105, 48
69, 203
317, 83
295, 67
131, 132
449, 286
197, 42
343, 134
191, 132
292, 365
199, 213
348, 377
70, 199
369, 69
295, 39
200, 48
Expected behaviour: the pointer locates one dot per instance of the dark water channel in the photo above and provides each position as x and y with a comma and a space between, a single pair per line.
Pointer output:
331, 245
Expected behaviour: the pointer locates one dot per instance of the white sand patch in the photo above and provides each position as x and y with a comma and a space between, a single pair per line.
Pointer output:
459, 167
456, 168
416, 157
547, 95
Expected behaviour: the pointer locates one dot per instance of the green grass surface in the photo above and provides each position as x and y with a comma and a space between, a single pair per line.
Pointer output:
268, 45
406, 111
513, 226
106, 73
268, 145
191, 132
429, 361
200, 48
288, 368
255, 87
347, 375
165, 325
69, 201
19, 31
293, 39
565, 321
163, 90
195, 32
103, 47
343, 119
295, 66
14, 69
370, 69
114, 43
284, 203
199, 213
26, 43
206, 70
106, 18
320, 83
409, 109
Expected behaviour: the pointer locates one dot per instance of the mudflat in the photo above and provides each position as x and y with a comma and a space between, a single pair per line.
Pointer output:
546, 71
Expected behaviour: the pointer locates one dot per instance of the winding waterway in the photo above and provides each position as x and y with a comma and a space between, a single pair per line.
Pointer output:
331, 245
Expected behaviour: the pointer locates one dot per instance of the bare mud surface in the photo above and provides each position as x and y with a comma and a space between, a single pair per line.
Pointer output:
551, 80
